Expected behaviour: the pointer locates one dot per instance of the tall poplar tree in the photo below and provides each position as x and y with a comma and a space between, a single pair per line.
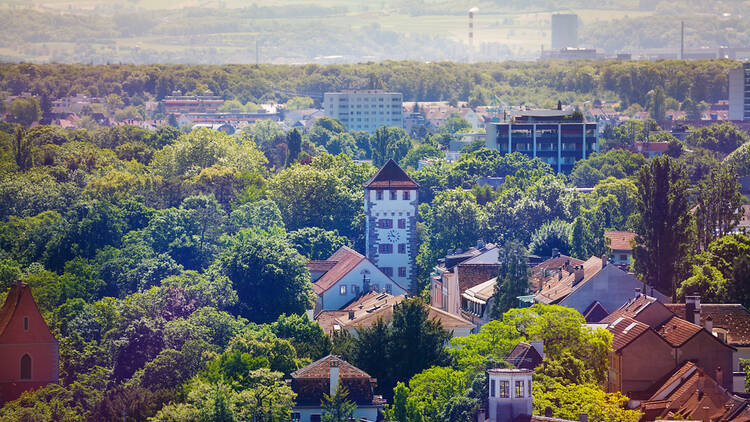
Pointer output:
719, 205
663, 225
512, 279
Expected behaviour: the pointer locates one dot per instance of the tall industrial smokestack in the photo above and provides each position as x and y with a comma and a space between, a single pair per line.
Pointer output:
682, 40
472, 31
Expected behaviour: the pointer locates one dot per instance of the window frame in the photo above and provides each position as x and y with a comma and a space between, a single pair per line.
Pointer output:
342, 289
503, 389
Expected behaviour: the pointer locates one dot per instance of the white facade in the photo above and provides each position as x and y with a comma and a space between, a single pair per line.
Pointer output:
352, 285
391, 232
365, 110
314, 413
510, 394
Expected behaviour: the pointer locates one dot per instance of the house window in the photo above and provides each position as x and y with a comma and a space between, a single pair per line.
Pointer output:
385, 248
406, 195
401, 223
386, 223
623, 257
355, 289
492, 388
26, 323
394, 195
504, 389
519, 389
26, 367
388, 288
342, 289
379, 195
402, 248
402, 271
294, 417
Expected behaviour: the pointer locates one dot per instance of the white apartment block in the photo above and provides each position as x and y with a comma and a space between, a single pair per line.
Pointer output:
365, 110
739, 93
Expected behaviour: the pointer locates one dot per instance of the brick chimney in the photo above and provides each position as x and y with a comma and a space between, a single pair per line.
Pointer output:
709, 324
605, 260
578, 274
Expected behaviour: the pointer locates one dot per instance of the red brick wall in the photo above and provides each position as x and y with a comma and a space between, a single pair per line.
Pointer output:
469, 275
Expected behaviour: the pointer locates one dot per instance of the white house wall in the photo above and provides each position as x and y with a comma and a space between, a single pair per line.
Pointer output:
332, 298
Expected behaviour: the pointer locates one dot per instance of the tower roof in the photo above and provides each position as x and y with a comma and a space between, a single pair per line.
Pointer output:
391, 176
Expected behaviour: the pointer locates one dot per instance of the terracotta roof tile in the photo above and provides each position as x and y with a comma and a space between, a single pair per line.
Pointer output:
549, 269
391, 176
556, 290
734, 318
620, 241
624, 331
676, 331
320, 369
320, 265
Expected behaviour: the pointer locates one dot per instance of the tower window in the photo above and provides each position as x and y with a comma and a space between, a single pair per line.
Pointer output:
26, 367
387, 271
386, 223
402, 271
26, 323
402, 248
406, 195
401, 223
385, 248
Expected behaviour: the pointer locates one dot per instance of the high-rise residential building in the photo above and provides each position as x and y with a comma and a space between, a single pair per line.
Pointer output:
564, 30
739, 93
554, 136
391, 206
365, 110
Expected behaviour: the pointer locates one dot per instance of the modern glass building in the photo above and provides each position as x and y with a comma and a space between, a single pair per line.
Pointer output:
551, 135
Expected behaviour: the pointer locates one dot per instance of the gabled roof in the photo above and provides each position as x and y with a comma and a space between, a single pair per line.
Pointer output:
524, 356
11, 303
676, 331
345, 259
595, 312
620, 241
690, 391
624, 331
734, 318
366, 310
320, 369
391, 176
631, 308
556, 290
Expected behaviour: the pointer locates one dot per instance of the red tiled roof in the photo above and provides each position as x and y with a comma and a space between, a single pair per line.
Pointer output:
676, 331
320, 369
324, 266
391, 176
631, 309
734, 318
620, 241
557, 290
625, 330
11, 302
345, 260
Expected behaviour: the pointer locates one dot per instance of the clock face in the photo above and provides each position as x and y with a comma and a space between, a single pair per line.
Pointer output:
393, 236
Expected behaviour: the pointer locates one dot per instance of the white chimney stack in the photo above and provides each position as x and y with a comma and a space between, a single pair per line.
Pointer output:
334, 381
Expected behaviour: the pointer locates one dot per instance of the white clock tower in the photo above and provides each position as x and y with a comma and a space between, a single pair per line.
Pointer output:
391, 205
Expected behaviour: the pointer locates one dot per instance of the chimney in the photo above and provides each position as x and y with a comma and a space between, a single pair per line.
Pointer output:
637, 292
692, 304
539, 346
578, 274
706, 417
583, 417
555, 252
604, 260
334, 376
351, 314
709, 324
480, 244
697, 316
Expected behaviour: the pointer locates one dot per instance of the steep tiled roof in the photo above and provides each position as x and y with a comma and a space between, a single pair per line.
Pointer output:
524, 356
320, 265
689, 391
557, 290
630, 309
676, 331
624, 331
620, 241
320, 369
549, 269
366, 310
734, 318
391, 176
345, 260
594, 313
11, 302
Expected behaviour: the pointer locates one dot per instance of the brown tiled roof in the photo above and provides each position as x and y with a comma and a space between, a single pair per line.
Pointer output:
524, 356
547, 270
320, 265
391, 176
373, 305
557, 290
630, 309
676, 331
687, 392
320, 369
734, 318
595, 312
624, 331
11, 302
345, 260
620, 241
